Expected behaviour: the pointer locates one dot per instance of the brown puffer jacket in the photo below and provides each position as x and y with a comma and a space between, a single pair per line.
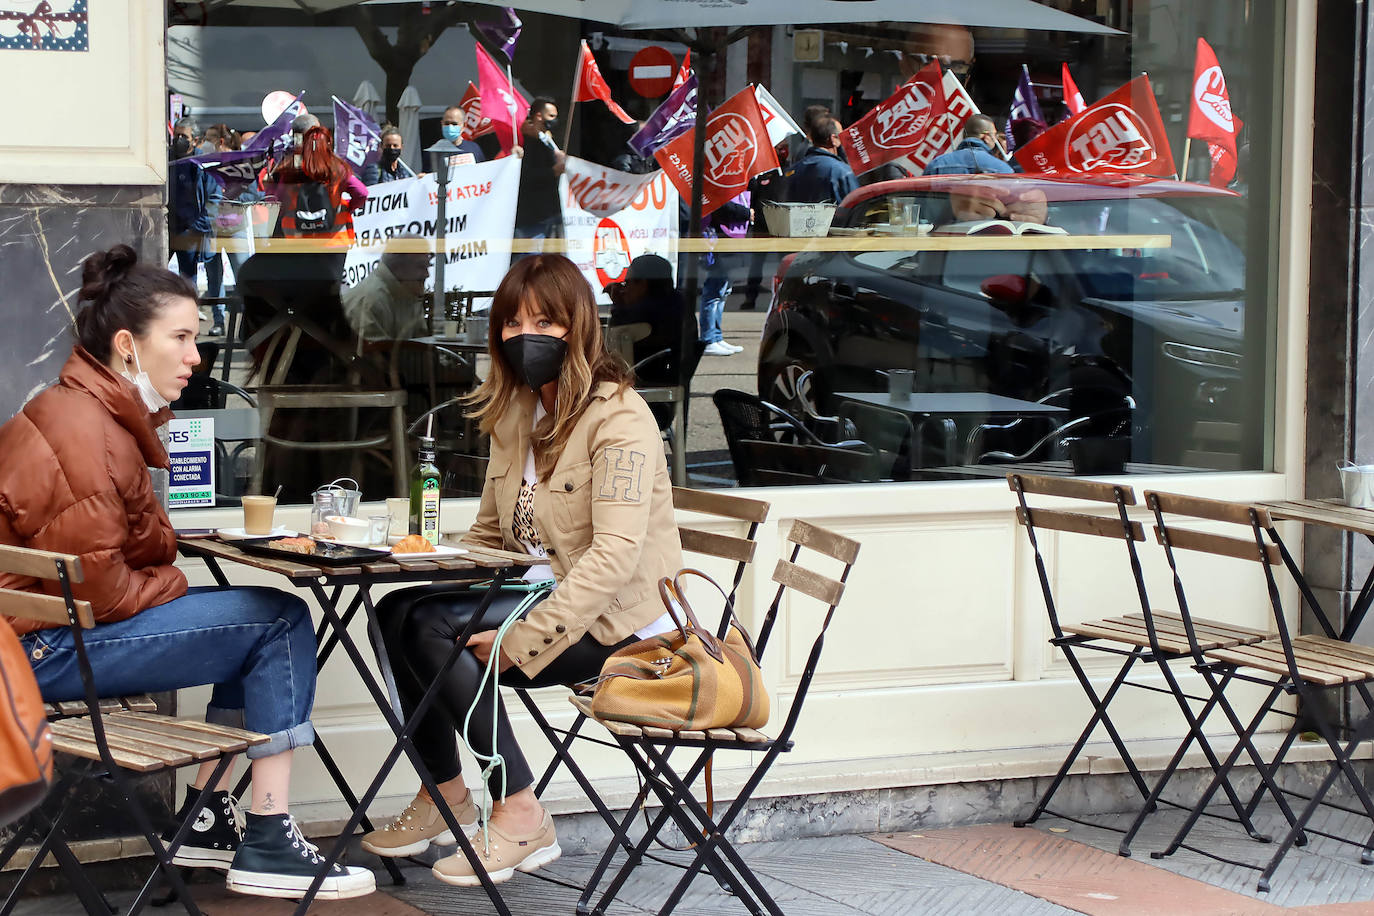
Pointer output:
74, 479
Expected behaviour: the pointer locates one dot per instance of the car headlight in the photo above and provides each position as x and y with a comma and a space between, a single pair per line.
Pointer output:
1201, 356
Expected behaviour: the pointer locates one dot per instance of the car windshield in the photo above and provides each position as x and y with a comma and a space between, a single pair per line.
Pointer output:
1204, 259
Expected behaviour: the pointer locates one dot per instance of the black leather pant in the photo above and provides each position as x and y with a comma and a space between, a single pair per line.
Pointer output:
419, 627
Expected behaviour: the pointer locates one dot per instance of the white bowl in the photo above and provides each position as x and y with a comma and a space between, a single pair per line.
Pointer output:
347, 529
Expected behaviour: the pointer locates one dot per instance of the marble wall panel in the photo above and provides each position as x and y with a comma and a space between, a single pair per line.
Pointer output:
45, 233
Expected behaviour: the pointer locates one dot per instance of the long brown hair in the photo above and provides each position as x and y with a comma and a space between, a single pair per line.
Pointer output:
551, 284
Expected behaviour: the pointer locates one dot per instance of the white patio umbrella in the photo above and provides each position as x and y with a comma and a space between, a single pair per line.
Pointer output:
689, 14
409, 106
367, 98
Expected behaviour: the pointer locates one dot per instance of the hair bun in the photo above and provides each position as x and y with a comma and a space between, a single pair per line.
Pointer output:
105, 269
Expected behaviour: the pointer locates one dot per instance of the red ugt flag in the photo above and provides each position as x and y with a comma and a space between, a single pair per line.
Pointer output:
474, 125
1072, 97
1210, 117
898, 126
737, 149
501, 102
1121, 134
591, 85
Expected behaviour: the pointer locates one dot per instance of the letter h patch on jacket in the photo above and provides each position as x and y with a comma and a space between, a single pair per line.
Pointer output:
622, 475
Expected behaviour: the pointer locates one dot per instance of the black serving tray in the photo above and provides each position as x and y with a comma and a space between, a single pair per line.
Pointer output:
326, 553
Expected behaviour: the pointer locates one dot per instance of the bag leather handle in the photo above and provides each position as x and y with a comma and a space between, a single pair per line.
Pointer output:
729, 610
675, 600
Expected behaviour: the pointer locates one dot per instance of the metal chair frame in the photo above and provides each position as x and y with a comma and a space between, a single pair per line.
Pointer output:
651, 749
753, 512
78, 616
1285, 665
1122, 637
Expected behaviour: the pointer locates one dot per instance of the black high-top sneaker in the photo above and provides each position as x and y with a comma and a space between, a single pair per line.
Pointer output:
276, 860
214, 835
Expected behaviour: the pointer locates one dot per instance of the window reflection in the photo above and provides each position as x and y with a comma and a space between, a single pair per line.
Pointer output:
1026, 313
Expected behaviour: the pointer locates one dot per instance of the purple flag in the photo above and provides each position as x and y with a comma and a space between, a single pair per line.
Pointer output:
504, 33
274, 138
676, 115
357, 138
1024, 104
233, 169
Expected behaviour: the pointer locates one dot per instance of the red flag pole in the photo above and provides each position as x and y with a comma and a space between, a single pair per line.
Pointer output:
572, 98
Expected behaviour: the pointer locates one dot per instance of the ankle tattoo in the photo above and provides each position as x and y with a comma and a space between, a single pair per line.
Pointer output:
269, 803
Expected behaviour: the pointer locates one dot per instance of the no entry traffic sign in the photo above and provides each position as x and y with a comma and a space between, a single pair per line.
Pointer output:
651, 71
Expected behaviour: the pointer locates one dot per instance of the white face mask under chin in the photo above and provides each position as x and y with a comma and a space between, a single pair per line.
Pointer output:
151, 398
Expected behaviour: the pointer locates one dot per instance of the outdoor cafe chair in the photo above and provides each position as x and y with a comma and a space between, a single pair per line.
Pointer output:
105, 739
650, 748
730, 548
1148, 636
1307, 666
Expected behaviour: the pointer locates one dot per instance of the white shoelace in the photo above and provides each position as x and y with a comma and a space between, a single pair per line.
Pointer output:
298, 841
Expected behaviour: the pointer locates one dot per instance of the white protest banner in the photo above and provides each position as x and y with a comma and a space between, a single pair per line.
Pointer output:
612, 217
480, 214
191, 447
779, 123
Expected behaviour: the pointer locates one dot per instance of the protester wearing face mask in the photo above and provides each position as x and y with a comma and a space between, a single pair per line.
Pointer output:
538, 214
578, 481
82, 487
390, 166
451, 127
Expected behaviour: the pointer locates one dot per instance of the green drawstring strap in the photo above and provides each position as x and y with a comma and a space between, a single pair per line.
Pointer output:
490, 673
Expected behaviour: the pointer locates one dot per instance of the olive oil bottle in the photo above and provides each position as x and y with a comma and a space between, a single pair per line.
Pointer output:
424, 494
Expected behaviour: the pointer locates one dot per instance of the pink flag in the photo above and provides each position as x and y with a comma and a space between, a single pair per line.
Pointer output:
683, 71
1072, 97
501, 102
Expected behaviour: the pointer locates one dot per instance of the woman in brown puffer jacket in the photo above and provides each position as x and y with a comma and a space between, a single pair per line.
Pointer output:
74, 479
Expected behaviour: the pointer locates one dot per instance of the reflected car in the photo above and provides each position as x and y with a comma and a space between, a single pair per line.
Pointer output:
1137, 338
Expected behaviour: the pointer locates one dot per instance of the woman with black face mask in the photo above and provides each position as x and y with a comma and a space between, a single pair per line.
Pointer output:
578, 480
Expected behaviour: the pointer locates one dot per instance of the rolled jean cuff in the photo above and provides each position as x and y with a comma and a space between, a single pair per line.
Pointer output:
217, 715
301, 735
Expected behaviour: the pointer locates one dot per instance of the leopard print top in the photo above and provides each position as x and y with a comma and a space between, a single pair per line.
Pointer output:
522, 523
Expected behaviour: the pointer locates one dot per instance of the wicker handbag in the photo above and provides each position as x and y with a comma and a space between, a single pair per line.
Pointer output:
26, 752
687, 680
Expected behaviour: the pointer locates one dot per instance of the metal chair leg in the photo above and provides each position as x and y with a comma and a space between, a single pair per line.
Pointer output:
1099, 715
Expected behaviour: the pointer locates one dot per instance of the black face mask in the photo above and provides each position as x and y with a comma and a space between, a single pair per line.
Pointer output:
390, 155
181, 147
536, 359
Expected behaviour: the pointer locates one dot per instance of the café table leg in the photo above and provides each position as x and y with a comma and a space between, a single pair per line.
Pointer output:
403, 744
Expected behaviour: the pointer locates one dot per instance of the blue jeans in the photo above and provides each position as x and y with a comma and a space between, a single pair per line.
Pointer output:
255, 645
715, 289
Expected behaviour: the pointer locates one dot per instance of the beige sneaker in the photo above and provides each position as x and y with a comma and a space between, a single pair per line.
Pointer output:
419, 825
503, 857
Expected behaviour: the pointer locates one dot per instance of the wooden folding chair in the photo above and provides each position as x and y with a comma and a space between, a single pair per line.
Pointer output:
650, 748
729, 547
110, 738
1306, 666
1150, 636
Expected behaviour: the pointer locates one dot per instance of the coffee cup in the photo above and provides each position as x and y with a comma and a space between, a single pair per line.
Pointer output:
257, 514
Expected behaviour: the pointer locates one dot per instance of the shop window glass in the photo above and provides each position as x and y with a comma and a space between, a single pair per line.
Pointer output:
1146, 300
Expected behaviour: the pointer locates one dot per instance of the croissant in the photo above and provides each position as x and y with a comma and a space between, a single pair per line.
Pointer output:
413, 543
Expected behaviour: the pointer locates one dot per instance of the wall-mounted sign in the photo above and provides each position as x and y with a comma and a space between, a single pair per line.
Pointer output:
44, 25
191, 446
808, 45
